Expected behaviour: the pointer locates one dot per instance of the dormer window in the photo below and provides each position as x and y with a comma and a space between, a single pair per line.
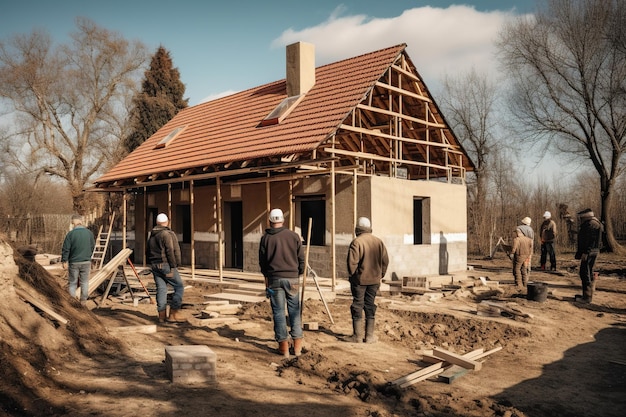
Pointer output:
170, 137
282, 110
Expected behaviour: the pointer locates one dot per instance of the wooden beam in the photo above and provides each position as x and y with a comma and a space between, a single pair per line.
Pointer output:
401, 115
450, 147
455, 359
40, 305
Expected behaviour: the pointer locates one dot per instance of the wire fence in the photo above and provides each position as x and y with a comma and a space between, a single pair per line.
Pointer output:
45, 232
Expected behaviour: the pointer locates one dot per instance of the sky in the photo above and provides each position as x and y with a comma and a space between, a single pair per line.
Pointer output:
224, 47
228, 46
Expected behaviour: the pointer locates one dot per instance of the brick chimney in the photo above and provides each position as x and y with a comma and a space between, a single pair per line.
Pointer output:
300, 68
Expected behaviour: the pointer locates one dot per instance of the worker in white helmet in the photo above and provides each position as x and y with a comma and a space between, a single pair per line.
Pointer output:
367, 265
281, 259
548, 234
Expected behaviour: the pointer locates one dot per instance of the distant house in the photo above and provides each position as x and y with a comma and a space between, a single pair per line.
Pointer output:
358, 137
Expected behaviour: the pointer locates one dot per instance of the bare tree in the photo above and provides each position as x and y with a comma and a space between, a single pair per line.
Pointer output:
69, 104
469, 104
569, 80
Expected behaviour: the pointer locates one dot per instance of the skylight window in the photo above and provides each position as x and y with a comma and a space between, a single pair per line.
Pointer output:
170, 137
282, 110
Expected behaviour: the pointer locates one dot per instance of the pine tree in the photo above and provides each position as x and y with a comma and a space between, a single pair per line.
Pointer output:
161, 97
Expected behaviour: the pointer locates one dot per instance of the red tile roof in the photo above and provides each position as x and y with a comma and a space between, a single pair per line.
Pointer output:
228, 129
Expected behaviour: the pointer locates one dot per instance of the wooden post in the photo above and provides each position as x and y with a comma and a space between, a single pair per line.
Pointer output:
306, 266
220, 237
193, 239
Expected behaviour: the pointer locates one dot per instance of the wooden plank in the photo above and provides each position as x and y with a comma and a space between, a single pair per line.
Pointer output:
455, 359
451, 373
40, 305
507, 308
455, 371
109, 269
147, 329
429, 371
428, 355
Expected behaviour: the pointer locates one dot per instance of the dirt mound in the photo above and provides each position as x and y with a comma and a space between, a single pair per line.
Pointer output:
33, 347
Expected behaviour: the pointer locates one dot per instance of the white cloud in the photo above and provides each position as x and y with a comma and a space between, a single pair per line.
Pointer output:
215, 96
439, 41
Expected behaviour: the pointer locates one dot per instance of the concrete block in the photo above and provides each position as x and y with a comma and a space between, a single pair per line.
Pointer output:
190, 364
313, 325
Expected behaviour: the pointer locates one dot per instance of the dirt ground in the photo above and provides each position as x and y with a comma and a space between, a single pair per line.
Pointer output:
565, 359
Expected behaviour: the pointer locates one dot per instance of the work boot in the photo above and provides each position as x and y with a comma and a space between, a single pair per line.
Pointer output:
357, 331
370, 337
297, 347
162, 316
283, 348
176, 316
543, 267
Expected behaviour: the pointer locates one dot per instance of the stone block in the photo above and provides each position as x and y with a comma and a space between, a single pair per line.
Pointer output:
190, 364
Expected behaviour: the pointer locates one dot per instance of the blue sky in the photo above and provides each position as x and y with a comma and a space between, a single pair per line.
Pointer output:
233, 45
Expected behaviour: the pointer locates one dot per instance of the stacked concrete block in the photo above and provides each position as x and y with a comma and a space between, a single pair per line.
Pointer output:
190, 363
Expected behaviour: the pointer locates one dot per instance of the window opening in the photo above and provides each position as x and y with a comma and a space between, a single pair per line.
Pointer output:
170, 137
281, 111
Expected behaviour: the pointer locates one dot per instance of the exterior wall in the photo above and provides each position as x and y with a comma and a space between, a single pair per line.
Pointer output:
388, 202
392, 212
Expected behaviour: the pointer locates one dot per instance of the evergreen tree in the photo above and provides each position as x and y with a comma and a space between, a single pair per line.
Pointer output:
161, 97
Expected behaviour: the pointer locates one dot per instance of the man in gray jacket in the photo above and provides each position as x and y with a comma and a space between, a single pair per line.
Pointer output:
367, 265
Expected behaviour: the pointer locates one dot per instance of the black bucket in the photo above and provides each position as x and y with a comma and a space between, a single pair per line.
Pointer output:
537, 291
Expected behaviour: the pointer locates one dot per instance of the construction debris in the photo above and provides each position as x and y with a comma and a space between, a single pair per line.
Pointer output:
452, 364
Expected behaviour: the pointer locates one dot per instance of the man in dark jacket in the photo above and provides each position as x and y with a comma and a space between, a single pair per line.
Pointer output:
77, 251
589, 235
163, 253
281, 260
547, 234
367, 265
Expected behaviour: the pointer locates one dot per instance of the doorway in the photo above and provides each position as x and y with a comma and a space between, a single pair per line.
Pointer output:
233, 234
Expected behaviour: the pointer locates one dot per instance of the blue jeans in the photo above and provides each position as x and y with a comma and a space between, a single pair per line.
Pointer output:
286, 293
75, 271
159, 271
363, 297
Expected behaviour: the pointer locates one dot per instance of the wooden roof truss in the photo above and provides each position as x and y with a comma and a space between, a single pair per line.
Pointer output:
397, 130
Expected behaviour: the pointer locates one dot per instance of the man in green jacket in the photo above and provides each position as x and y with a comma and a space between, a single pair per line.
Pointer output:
76, 252
367, 265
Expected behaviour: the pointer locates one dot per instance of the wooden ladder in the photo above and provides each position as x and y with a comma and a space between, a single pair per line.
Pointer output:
102, 244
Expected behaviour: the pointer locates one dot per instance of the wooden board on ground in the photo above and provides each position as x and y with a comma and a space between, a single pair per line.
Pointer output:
40, 305
147, 329
452, 373
235, 298
455, 359
440, 367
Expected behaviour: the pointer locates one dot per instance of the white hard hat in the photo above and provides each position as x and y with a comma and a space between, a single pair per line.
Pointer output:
526, 221
162, 218
547, 215
276, 216
364, 222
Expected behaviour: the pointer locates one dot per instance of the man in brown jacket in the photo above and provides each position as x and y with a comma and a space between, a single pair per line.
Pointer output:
521, 250
367, 265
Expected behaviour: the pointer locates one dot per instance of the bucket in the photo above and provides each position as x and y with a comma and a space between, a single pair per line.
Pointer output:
537, 291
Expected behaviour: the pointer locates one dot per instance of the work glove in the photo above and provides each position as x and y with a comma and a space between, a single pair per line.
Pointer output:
268, 292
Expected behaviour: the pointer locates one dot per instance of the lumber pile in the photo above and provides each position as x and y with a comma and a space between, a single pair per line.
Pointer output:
446, 363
